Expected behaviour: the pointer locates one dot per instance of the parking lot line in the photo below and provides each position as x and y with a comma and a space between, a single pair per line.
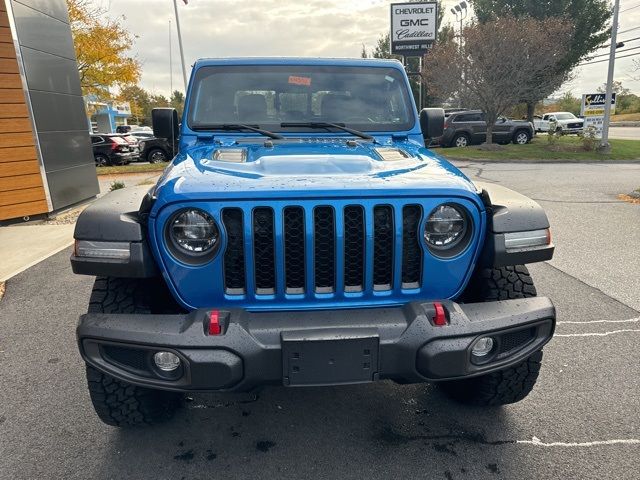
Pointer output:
537, 442
598, 321
594, 334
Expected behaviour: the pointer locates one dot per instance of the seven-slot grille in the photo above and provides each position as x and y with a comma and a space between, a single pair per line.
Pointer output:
322, 249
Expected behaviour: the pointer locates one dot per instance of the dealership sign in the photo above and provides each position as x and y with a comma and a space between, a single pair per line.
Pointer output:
592, 110
413, 28
593, 104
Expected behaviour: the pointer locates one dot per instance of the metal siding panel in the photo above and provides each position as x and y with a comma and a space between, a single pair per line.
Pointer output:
48, 108
41, 32
53, 8
50, 73
72, 185
62, 150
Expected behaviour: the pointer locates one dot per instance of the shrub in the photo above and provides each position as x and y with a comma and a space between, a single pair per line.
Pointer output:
589, 139
116, 185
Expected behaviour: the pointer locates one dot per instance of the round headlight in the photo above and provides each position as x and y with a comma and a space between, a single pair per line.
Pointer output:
445, 228
193, 232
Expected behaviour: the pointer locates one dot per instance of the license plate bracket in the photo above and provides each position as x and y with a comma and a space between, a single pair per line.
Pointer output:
320, 357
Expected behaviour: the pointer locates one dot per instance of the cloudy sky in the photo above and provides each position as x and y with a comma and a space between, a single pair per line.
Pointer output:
334, 28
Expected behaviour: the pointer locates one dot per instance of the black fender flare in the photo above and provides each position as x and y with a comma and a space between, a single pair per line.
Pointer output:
508, 212
120, 216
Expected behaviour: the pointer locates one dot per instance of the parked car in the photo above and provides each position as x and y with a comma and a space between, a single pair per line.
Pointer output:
134, 143
109, 149
155, 150
565, 123
463, 128
327, 250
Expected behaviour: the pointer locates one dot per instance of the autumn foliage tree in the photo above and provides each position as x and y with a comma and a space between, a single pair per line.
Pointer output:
102, 47
501, 62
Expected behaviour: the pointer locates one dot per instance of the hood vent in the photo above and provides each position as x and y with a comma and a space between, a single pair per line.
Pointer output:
389, 154
231, 155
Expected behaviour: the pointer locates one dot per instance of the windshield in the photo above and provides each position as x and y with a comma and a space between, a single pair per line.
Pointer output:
565, 116
362, 98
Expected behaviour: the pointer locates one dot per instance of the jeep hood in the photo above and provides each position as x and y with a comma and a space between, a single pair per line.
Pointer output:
309, 169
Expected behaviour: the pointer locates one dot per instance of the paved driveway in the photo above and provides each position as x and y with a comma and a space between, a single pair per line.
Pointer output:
581, 421
628, 133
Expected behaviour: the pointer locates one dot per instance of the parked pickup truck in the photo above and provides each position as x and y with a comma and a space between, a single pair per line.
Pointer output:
304, 236
563, 122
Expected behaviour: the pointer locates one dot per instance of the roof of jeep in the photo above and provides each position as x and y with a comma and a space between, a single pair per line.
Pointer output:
343, 62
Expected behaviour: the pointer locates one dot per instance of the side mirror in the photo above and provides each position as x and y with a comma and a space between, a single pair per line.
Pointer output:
432, 122
165, 123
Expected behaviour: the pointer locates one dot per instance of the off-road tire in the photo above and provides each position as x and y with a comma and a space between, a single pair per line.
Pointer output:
505, 283
498, 388
511, 384
121, 404
118, 403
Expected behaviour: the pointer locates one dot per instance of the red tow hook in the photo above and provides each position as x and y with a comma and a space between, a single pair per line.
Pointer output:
214, 323
440, 318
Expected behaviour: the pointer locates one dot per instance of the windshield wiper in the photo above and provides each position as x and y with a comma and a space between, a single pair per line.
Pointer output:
327, 125
236, 126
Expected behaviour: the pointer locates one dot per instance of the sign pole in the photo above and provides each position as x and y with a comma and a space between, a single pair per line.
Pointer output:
604, 144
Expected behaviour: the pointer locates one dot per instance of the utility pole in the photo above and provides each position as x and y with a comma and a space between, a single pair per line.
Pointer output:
605, 147
184, 68
170, 63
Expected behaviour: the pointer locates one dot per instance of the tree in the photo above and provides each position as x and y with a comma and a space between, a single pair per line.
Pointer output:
102, 45
618, 89
590, 19
497, 62
568, 103
177, 101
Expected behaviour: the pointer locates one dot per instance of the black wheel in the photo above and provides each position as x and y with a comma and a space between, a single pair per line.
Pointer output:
511, 384
118, 403
101, 160
521, 137
157, 155
460, 140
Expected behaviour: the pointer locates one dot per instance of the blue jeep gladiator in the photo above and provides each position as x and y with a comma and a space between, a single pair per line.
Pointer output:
305, 236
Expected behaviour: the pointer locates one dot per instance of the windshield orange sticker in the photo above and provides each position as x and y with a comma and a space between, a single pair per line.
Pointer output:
306, 81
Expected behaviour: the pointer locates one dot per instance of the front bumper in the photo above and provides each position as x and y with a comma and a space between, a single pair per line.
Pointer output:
315, 347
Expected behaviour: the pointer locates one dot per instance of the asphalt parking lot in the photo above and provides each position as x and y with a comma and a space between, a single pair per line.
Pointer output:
580, 422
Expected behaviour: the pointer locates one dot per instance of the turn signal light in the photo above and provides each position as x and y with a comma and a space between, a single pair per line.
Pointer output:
440, 318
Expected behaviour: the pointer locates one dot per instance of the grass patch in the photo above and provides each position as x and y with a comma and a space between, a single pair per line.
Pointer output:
132, 168
567, 148
626, 117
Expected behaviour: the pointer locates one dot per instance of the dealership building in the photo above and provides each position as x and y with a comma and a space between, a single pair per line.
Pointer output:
46, 159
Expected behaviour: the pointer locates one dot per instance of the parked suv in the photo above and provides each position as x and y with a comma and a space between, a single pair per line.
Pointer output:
327, 250
110, 149
469, 127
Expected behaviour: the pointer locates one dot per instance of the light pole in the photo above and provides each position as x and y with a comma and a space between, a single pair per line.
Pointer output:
605, 147
184, 68
460, 11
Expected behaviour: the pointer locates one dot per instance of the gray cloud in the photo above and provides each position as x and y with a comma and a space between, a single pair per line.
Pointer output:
333, 28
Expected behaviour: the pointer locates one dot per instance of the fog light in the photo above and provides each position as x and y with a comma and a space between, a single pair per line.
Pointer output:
482, 347
166, 361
